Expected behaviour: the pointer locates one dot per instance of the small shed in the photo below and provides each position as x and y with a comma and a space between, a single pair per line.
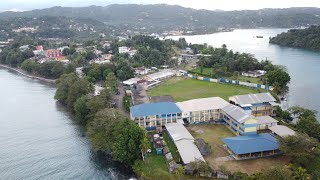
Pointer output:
282, 131
264, 122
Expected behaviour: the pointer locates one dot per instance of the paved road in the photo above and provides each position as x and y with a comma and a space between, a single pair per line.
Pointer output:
119, 100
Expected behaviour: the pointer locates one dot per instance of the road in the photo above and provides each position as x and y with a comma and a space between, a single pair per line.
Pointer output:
119, 100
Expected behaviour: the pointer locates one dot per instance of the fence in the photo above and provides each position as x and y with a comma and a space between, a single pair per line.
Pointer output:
229, 81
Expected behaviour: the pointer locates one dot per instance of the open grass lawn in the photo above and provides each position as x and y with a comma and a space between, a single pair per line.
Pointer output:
212, 134
155, 167
182, 89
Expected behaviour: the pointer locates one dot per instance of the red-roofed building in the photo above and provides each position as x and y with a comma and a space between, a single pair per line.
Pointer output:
53, 53
40, 47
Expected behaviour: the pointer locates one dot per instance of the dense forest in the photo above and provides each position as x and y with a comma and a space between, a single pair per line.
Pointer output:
51, 27
158, 18
300, 38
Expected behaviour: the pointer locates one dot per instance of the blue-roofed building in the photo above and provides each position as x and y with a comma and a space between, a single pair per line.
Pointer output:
253, 146
153, 115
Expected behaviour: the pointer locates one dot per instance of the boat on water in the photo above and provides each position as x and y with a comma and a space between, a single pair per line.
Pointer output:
259, 36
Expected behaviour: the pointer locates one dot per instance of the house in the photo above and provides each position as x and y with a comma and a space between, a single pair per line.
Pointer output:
184, 142
155, 115
163, 74
264, 122
238, 121
123, 49
202, 110
24, 47
39, 47
261, 104
107, 56
142, 71
251, 147
255, 74
282, 131
53, 53
131, 81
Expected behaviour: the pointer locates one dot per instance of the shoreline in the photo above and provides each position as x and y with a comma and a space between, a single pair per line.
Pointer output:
27, 75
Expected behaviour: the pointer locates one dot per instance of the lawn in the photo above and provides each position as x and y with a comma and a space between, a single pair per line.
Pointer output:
155, 167
212, 134
182, 89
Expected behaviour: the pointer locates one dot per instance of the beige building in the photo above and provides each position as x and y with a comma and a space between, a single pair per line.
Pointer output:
202, 110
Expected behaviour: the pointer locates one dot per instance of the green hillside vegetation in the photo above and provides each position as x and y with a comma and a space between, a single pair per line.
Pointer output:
300, 38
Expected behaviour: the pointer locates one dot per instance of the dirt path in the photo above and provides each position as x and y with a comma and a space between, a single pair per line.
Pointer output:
119, 100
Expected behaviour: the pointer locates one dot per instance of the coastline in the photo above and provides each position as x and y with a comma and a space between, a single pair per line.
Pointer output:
27, 75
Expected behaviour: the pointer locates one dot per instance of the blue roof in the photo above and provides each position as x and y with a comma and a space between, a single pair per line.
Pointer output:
251, 144
149, 109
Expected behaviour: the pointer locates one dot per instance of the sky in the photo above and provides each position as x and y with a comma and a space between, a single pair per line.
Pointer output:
18, 5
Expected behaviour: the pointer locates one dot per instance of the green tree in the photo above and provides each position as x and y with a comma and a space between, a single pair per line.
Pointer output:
30, 66
78, 89
81, 109
276, 174
100, 129
300, 174
301, 148
126, 148
112, 82
278, 75
64, 84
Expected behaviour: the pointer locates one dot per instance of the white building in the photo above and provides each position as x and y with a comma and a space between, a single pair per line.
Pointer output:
166, 73
123, 50
282, 131
202, 110
264, 122
184, 142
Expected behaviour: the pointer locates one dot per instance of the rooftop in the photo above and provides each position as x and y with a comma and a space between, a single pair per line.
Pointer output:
282, 131
202, 104
131, 81
161, 74
266, 120
251, 144
149, 109
252, 98
185, 143
237, 113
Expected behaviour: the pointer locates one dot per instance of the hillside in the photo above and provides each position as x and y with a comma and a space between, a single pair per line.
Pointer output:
73, 22
300, 38
50, 27
168, 17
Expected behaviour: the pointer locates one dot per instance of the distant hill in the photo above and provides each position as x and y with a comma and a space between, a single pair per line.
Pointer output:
171, 15
300, 38
157, 18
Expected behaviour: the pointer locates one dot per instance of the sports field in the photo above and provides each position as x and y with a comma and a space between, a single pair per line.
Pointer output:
182, 89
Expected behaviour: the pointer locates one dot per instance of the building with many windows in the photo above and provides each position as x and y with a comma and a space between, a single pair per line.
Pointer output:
256, 104
155, 115
238, 121
202, 110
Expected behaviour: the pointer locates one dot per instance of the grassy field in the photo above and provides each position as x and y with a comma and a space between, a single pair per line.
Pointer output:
155, 167
212, 134
205, 71
182, 89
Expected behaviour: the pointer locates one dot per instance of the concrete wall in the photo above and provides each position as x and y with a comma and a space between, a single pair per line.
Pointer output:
234, 82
